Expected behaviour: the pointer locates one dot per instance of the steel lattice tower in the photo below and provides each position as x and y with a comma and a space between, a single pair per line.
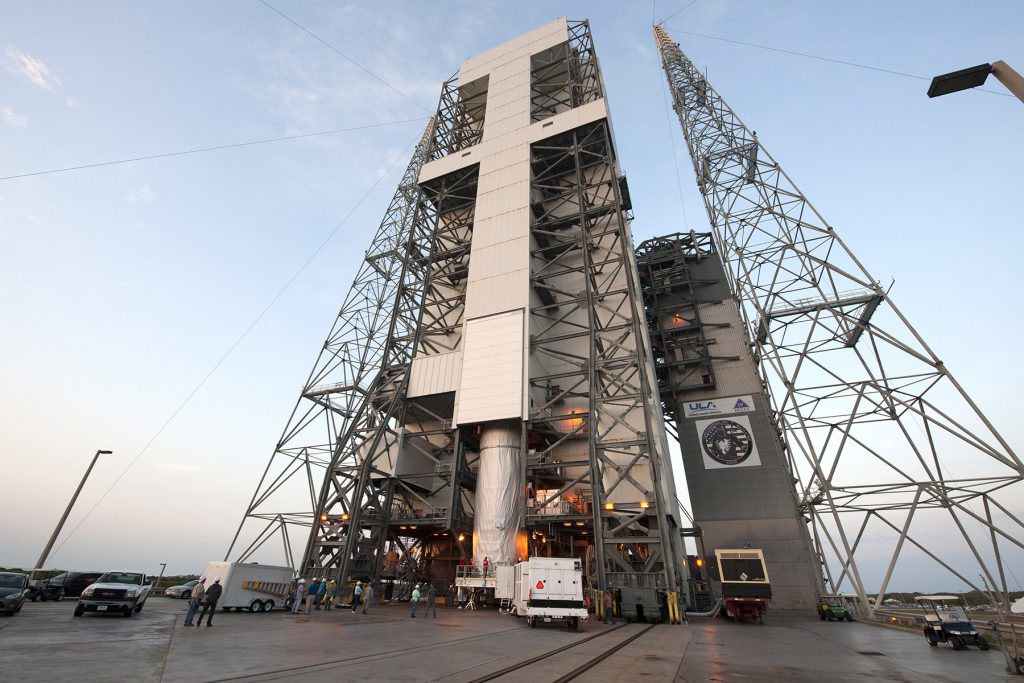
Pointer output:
879, 434
495, 394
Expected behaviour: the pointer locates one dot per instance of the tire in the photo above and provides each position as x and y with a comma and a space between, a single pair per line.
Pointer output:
60, 595
186, 595
849, 617
957, 642
255, 606
128, 612
226, 609
981, 642
79, 610
138, 607
931, 639
531, 622
268, 606
821, 616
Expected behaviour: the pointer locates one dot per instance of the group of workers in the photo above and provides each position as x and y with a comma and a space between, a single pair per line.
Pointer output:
322, 592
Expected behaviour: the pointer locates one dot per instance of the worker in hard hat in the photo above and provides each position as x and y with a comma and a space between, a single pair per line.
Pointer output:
300, 592
415, 600
195, 601
213, 594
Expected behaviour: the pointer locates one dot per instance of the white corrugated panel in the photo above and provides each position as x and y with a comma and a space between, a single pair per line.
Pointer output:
435, 374
491, 387
499, 293
546, 36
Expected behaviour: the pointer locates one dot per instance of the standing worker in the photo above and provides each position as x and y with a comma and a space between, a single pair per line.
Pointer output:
314, 593
415, 600
487, 565
332, 590
300, 591
431, 602
367, 596
608, 602
210, 604
357, 594
196, 599
321, 595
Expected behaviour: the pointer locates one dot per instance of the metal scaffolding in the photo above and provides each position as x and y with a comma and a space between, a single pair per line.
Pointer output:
879, 433
584, 272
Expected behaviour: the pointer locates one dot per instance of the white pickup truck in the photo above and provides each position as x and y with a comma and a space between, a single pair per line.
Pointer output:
122, 592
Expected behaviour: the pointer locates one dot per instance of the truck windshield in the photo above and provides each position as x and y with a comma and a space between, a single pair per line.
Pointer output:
12, 581
121, 577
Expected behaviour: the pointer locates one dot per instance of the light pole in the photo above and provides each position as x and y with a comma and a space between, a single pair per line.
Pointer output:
60, 524
163, 566
974, 76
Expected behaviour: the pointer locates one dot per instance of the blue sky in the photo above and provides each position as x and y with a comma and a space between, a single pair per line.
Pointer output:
122, 286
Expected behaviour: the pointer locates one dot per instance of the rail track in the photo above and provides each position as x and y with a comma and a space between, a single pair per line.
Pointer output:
585, 666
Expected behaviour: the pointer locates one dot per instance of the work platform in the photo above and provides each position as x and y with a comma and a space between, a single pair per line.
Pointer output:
459, 646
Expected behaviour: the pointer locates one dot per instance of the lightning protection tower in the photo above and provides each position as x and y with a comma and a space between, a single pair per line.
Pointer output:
880, 438
503, 402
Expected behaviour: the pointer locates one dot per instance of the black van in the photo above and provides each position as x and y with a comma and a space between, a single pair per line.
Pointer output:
68, 585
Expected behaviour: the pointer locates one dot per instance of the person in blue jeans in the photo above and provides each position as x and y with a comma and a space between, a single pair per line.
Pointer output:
608, 602
431, 603
415, 600
195, 600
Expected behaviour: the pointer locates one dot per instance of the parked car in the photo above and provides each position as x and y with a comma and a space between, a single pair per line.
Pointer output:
68, 585
123, 592
13, 588
184, 591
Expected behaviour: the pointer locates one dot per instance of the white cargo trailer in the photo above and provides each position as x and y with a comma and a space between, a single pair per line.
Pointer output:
250, 586
547, 589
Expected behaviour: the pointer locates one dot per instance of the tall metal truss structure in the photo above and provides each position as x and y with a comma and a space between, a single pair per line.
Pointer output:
881, 438
584, 270
390, 473
358, 360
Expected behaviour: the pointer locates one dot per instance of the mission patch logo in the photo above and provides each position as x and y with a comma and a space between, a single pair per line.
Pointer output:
727, 443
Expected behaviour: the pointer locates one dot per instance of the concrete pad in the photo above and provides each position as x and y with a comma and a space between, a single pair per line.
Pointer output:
46, 643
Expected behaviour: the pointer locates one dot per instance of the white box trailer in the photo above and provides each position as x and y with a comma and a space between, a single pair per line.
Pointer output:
250, 586
548, 589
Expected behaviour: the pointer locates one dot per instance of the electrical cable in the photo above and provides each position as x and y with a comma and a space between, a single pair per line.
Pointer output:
343, 55
685, 7
675, 158
209, 149
233, 346
824, 59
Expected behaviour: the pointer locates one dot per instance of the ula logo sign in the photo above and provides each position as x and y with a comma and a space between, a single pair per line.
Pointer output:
719, 406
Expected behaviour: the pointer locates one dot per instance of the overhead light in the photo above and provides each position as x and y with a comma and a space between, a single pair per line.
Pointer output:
403, 527
584, 533
323, 518
956, 81
609, 506
644, 504
462, 537
413, 526
344, 517
566, 523
579, 523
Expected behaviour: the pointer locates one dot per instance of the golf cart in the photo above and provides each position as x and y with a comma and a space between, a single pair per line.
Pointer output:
833, 607
946, 621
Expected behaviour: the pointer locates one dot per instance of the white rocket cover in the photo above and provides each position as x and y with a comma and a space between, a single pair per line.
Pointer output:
499, 495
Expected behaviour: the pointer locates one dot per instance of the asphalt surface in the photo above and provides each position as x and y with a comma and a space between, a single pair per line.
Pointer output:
45, 642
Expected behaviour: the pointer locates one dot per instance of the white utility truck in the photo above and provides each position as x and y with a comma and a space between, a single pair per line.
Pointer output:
250, 586
544, 589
